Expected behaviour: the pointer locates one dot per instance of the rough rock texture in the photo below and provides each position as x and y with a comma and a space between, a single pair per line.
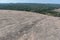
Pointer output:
21, 25
57, 10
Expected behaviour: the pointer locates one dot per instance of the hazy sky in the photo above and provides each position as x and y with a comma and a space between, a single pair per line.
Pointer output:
30, 1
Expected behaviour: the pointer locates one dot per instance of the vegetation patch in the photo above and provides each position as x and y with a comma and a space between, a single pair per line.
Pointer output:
32, 7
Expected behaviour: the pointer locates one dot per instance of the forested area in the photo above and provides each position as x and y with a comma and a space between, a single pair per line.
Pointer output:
33, 7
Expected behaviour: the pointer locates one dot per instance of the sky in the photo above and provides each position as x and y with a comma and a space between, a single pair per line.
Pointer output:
30, 1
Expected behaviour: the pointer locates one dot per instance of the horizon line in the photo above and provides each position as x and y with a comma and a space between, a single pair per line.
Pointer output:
42, 3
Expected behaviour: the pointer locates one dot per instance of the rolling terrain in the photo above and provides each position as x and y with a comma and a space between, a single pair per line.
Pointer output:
22, 25
32, 7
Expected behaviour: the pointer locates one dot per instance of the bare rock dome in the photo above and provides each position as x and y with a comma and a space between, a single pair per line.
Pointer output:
22, 25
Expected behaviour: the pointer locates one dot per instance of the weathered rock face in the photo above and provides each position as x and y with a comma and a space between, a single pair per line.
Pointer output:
57, 10
19, 25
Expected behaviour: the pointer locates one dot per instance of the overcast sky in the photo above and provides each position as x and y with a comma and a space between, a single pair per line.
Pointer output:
30, 1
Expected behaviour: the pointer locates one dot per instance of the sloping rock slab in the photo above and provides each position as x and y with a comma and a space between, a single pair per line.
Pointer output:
21, 25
